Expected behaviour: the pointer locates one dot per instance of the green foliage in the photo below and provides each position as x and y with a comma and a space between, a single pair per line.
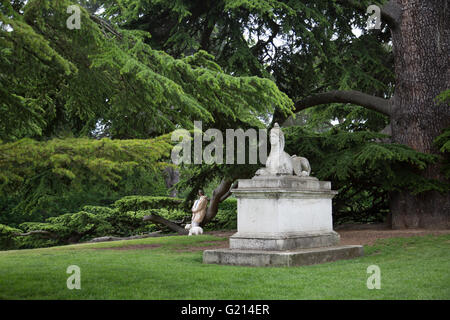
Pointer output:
7, 237
152, 66
443, 141
92, 221
57, 81
229, 204
101, 81
137, 203
304, 46
123, 219
362, 168
43, 179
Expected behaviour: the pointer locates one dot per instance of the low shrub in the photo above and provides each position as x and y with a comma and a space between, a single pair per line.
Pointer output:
122, 220
136, 203
7, 238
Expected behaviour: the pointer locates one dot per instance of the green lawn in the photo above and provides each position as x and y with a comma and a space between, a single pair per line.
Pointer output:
411, 268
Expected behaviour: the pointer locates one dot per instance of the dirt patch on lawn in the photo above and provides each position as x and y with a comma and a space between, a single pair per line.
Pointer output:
131, 247
213, 245
361, 234
221, 233
368, 237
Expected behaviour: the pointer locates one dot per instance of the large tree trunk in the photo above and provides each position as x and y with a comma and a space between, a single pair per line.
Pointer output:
421, 42
421, 53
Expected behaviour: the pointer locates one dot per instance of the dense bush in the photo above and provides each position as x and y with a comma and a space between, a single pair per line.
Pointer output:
123, 219
7, 238
362, 168
39, 180
136, 203
226, 218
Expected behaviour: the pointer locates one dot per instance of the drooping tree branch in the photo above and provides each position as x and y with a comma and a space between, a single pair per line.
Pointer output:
170, 224
105, 26
226, 195
362, 99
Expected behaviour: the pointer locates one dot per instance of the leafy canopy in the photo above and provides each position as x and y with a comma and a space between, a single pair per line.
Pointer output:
70, 81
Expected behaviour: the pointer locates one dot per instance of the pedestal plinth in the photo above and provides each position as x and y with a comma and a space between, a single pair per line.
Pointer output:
283, 220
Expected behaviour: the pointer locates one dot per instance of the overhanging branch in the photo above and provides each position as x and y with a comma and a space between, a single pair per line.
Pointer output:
171, 225
391, 13
35, 232
362, 99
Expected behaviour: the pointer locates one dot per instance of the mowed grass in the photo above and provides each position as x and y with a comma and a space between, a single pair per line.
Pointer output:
411, 268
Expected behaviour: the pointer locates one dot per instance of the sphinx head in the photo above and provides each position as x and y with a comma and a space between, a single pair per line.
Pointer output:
277, 138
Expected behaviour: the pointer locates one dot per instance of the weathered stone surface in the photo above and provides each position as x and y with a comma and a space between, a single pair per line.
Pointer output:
283, 182
283, 220
260, 258
265, 213
287, 241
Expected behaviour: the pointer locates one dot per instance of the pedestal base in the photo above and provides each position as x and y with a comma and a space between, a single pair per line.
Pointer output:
287, 241
260, 258
283, 221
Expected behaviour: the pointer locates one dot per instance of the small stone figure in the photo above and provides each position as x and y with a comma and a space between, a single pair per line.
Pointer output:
279, 162
301, 165
194, 230
198, 214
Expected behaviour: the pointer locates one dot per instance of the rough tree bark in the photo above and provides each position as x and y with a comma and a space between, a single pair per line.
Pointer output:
421, 55
420, 36
220, 193
171, 178
36, 232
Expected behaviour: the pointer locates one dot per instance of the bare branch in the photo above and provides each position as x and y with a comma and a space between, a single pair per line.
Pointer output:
171, 225
105, 26
30, 233
362, 99
390, 12
219, 194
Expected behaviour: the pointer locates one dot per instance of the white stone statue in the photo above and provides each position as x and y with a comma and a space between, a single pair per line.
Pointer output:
279, 162
198, 213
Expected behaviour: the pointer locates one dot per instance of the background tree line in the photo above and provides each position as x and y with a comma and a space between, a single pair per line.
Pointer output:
138, 69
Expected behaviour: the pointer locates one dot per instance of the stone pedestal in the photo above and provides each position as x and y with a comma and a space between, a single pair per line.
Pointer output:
283, 221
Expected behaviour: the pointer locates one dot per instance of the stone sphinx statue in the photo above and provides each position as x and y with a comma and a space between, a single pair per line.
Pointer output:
279, 162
